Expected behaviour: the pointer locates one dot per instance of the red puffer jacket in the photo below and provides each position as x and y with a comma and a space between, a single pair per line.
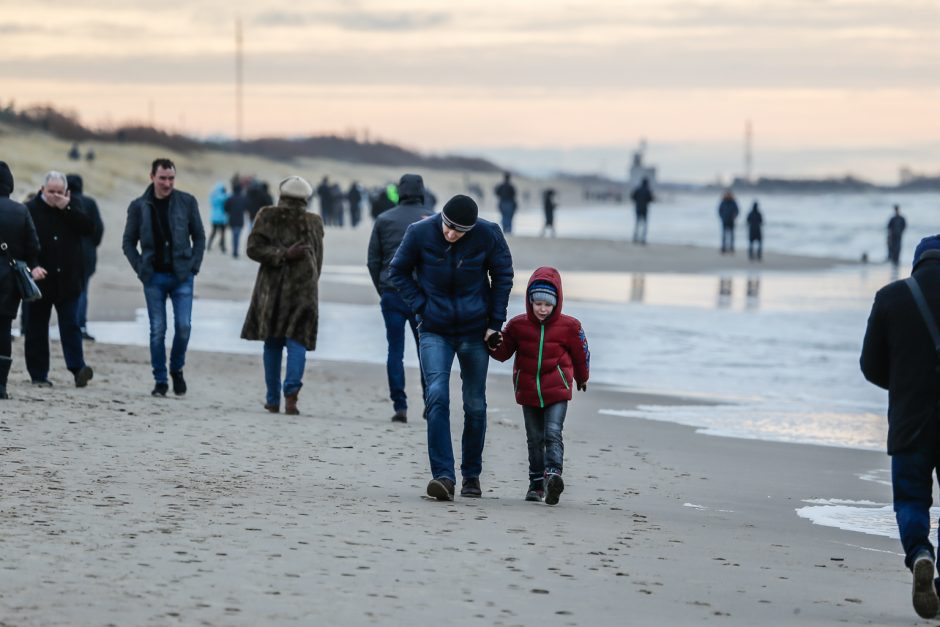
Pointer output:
551, 356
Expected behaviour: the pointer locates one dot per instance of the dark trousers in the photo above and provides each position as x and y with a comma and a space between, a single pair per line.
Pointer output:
727, 237
220, 230
236, 236
912, 484
640, 227
397, 314
83, 304
6, 349
543, 427
755, 248
37, 315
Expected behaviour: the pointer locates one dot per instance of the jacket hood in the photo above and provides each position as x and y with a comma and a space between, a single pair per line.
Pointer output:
75, 183
6, 180
550, 275
411, 188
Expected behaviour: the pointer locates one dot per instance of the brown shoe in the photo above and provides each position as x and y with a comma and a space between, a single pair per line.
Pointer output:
272, 408
290, 405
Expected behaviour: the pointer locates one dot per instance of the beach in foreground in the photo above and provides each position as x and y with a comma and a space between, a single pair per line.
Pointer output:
123, 509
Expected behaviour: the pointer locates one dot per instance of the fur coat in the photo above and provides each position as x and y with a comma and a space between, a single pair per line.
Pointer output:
284, 302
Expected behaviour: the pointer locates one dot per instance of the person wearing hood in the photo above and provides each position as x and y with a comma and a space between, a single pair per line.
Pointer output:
455, 273
287, 240
901, 353
217, 215
552, 356
642, 197
755, 233
18, 242
165, 223
61, 223
388, 230
90, 244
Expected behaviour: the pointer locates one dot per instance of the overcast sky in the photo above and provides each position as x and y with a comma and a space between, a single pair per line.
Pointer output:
830, 85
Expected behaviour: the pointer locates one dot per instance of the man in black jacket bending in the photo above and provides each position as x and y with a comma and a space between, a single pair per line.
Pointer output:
387, 232
900, 355
61, 223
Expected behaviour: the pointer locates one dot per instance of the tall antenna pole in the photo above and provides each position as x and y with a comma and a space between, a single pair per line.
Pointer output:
748, 150
238, 79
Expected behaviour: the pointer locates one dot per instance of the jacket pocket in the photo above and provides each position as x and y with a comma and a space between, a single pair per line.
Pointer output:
563, 379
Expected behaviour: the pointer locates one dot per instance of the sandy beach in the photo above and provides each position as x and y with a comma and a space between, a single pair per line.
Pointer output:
122, 509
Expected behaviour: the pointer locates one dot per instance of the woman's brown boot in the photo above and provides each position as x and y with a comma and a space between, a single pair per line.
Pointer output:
290, 404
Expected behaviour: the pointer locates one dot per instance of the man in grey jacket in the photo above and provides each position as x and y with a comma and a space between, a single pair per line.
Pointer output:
165, 222
387, 232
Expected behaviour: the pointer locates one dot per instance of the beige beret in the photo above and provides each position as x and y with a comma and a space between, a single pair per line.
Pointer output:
296, 187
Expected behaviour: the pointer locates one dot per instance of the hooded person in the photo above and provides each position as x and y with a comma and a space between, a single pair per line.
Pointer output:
217, 215
90, 244
552, 357
388, 230
901, 353
287, 241
18, 241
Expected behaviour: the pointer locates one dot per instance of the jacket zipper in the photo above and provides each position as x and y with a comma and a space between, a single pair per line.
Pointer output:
515, 385
563, 379
538, 372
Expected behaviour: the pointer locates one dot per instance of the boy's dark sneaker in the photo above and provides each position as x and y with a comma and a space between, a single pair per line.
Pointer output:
554, 486
179, 383
470, 487
924, 594
160, 389
3, 393
42, 383
400, 416
536, 491
441, 489
82, 376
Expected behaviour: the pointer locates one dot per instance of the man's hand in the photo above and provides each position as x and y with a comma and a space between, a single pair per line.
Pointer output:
494, 339
60, 200
297, 251
582, 387
39, 273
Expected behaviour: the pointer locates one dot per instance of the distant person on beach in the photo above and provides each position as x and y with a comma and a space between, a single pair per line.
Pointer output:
642, 196
551, 354
325, 195
548, 206
383, 199
901, 353
896, 226
217, 216
728, 213
388, 230
90, 244
506, 199
755, 233
74, 153
18, 242
236, 208
455, 272
354, 198
165, 222
61, 223
287, 240
258, 196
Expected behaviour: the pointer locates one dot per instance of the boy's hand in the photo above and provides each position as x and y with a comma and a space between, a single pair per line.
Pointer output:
582, 387
494, 339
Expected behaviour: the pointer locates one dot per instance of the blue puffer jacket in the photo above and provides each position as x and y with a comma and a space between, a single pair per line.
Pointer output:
459, 289
217, 200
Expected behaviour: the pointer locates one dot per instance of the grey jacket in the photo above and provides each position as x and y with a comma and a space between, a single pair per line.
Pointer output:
387, 232
189, 236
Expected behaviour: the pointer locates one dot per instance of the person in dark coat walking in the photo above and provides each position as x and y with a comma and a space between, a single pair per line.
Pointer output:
642, 196
325, 195
354, 198
165, 222
455, 272
90, 246
236, 206
506, 198
901, 355
19, 242
728, 212
896, 226
287, 240
258, 196
388, 230
383, 200
755, 233
61, 223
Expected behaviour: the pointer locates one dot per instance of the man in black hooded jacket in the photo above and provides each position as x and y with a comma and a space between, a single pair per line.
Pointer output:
900, 355
90, 244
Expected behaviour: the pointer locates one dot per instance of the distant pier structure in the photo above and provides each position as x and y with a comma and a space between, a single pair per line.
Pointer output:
639, 170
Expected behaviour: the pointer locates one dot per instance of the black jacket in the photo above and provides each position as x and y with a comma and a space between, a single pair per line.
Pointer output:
90, 243
19, 233
898, 355
235, 208
642, 197
189, 236
60, 234
387, 232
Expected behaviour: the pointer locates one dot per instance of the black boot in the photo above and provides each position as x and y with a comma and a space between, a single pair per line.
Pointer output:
5, 363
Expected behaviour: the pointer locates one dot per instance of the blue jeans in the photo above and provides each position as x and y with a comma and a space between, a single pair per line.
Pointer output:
396, 314
912, 484
437, 357
727, 237
543, 427
507, 210
36, 315
296, 360
236, 235
158, 288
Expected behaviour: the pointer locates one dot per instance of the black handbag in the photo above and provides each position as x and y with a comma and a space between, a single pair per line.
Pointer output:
25, 284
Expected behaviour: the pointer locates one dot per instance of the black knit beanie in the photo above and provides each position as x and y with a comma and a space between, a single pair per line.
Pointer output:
460, 213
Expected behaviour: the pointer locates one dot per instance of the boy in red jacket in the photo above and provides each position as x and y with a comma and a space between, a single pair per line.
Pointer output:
551, 353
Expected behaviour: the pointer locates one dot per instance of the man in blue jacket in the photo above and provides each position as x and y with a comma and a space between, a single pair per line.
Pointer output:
166, 224
455, 272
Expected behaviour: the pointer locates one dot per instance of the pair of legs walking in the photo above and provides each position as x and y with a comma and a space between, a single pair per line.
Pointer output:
755, 248
6, 354
36, 316
293, 379
727, 238
396, 315
437, 354
217, 229
640, 228
543, 427
158, 289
